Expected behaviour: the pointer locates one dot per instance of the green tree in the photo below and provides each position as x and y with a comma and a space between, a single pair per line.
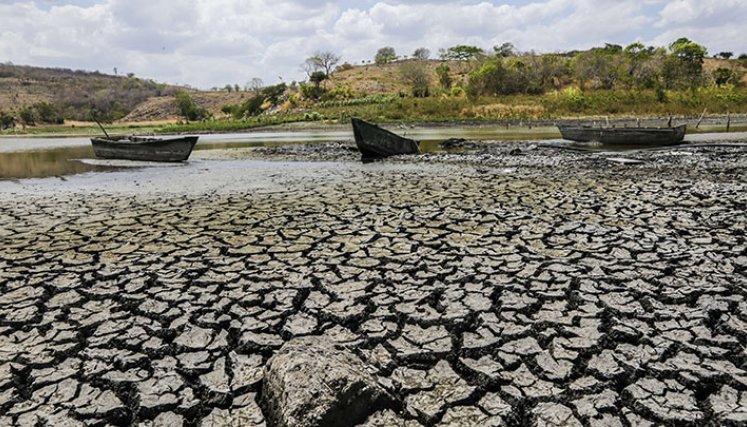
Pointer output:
643, 65
684, 68
444, 76
317, 77
187, 108
421, 53
461, 53
612, 48
505, 50
725, 55
489, 79
385, 55
548, 71
599, 67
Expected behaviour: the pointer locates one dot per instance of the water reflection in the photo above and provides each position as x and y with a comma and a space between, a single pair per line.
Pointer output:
41, 164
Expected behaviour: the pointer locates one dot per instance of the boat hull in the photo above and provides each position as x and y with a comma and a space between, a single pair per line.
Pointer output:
145, 149
375, 142
624, 136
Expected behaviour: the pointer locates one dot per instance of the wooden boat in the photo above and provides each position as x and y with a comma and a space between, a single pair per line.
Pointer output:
175, 149
375, 142
625, 136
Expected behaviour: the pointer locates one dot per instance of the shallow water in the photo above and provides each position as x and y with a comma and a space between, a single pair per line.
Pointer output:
35, 157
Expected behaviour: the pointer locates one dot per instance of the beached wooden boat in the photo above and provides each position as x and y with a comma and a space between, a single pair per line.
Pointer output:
375, 142
625, 136
175, 149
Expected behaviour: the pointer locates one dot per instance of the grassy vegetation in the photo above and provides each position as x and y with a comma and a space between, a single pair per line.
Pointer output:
566, 103
83, 129
231, 125
446, 109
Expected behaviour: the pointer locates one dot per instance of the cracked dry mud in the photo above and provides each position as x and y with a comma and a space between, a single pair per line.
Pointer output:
566, 292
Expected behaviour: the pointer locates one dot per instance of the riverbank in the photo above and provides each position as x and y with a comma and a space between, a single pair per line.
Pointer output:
708, 123
519, 285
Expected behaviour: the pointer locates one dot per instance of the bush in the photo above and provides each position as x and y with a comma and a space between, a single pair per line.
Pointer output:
344, 67
229, 109
723, 76
661, 95
27, 116
311, 91
47, 113
7, 121
187, 107
457, 91
256, 105
571, 99
313, 116
444, 78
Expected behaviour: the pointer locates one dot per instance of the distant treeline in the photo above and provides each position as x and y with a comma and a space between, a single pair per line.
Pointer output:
678, 67
505, 71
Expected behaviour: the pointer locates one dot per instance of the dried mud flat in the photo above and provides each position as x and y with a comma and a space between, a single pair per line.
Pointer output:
529, 287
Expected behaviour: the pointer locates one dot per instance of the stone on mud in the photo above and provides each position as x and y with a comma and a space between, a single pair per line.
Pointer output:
312, 381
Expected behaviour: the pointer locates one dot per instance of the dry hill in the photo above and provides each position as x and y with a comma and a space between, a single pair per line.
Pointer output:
130, 99
75, 92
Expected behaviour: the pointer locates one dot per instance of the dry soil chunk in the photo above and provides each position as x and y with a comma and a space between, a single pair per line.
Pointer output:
312, 381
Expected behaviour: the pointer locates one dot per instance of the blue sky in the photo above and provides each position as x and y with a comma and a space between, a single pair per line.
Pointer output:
208, 43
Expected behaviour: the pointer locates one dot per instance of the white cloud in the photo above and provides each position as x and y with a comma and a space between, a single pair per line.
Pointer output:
213, 42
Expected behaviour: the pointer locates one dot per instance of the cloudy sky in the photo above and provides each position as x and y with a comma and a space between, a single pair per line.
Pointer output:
208, 43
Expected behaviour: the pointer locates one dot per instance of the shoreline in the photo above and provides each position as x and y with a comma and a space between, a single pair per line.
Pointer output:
737, 120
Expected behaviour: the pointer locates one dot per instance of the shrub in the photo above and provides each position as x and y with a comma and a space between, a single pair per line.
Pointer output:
457, 91
661, 95
444, 78
344, 67
7, 121
229, 109
187, 107
27, 116
313, 116
572, 99
45, 112
312, 91
256, 105
723, 76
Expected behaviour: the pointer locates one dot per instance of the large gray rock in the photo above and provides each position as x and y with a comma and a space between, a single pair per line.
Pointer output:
312, 381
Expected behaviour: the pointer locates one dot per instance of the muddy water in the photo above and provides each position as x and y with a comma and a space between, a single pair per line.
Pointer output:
28, 157
34, 157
